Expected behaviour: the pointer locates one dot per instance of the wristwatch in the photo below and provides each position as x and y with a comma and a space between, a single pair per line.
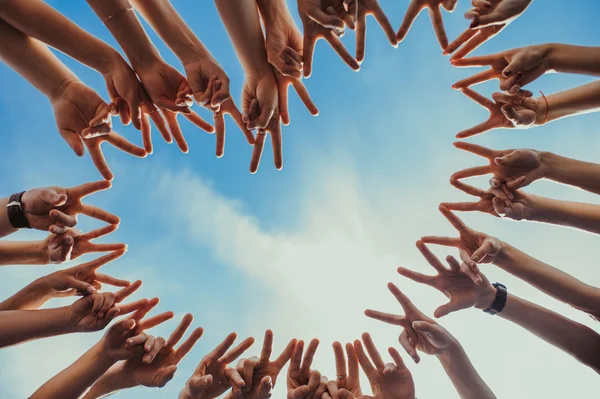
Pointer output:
16, 215
498, 305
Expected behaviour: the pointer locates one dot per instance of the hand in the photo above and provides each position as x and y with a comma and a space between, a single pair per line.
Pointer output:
127, 338
505, 112
302, 382
80, 112
171, 118
212, 377
321, 21
518, 206
149, 111
371, 7
414, 9
496, 12
82, 279
165, 86
473, 247
388, 381
82, 242
411, 339
125, 90
96, 311
456, 283
347, 379
470, 40
513, 68
506, 166
162, 369
55, 209
260, 375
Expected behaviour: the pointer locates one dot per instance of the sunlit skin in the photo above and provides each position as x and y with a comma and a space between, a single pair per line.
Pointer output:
434, 7
366, 8
346, 371
213, 376
77, 244
302, 381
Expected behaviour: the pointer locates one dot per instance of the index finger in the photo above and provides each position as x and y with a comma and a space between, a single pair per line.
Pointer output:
364, 361
267, 348
285, 355
373, 352
406, 304
100, 214
480, 60
125, 292
475, 149
430, 257
454, 220
296, 358
438, 26
222, 347
198, 121
86, 189
340, 359
103, 260
238, 350
148, 323
178, 333
189, 343
309, 355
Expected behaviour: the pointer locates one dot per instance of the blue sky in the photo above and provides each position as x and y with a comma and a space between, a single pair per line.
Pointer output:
304, 250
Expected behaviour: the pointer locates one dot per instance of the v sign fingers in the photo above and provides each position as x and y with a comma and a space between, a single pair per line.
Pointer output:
365, 8
414, 9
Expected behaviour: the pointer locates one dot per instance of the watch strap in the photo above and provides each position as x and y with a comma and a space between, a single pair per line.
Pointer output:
498, 305
16, 214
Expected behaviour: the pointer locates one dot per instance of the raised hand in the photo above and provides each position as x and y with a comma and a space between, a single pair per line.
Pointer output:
506, 165
371, 7
163, 367
473, 247
494, 201
471, 39
125, 91
513, 68
347, 377
260, 374
455, 282
321, 21
302, 381
388, 380
506, 112
82, 279
55, 209
82, 243
81, 113
96, 311
171, 118
212, 377
496, 12
414, 9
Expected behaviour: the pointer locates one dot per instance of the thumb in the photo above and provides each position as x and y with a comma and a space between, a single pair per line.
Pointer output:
423, 326
164, 376
324, 19
444, 310
198, 384
493, 18
482, 251
265, 387
81, 286
507, 159
345, 394
516, 65
51, 197
517, 183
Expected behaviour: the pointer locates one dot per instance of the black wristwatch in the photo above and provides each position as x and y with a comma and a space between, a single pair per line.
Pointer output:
498, 305
16, 215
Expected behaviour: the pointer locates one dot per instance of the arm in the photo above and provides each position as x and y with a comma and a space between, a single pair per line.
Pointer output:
573, 59
73, 381
109, 383
32, 297
585, 175
19, 326
5, 226
463, 375
572, 214
23, 253
580, 100
574, 338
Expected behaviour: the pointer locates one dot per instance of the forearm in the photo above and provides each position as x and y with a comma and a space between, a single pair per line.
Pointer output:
571, 337
38, 20
463, 375
31, 297
585, 175
5, 226
17, 326
574, 59
573, 214
123, 24
73, 381
172, 29
548, 279
34, 61
243, 25
272, 11
23, 253
112, 381
580, 100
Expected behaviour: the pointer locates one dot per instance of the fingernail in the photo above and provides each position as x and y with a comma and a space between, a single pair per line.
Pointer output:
147, 358
510, 195
507, 202
90, 290
475, 258
507, 72
478, 281
520, 75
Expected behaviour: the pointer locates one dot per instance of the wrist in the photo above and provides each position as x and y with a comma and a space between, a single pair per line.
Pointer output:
486, 297
273, 11
60, 88
101, 356
185, 393
451, 351
549, 57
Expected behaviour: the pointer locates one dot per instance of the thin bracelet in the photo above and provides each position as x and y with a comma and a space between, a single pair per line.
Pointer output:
547, 107
117, 13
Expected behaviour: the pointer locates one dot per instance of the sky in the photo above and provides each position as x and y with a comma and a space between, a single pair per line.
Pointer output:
305, 250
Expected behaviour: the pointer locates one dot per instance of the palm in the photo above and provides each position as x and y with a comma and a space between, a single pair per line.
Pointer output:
199, 74
220, 383
153, 374
397, 385
80, 314
163, 84
281, 39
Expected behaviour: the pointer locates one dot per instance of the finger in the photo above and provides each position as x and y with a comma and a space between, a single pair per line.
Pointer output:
385, 317
276, 143
266, 385
481, 60
309, 50
470, 172
234, 378
352, 362
361, 36
324, 19
417, 277
74, 141
126, 308
313, 381
305, 97
309, 356
284, 113
454, 220
187, 345
467, 188
127, 291
222, 347
285, 356
402, 299
414, 8
459, 41
160, 124
363, 360
475, 79
171, 118
198, 121
445, 241
180, 330
154, 321
101, 232
408, 347
220, 130
146, 129
438, 26
463, 206
107, 303
385, 24
397, 358
479, 255
476, 149
430, 257
339, 48
478, 98
164, 376
468, 271
98, 159
478, 129
126, 146
257, 151
473, 44
100, 214
238, 350
373, 352
149, 357
98, 263
454, 265
81, 286
296, 359
447, 309
139, 339
230, 108
516, 184
340, 359
149, 344
204, 97
103, 278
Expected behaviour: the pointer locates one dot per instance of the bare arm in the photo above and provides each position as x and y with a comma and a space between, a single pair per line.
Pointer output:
549, 280
565, 213
574, 338
585, 175
580, 100
23, 253
574, 59
17, 326
5, 226
31, 297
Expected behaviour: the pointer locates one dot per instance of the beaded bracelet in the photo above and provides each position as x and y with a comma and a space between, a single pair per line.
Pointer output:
547, 107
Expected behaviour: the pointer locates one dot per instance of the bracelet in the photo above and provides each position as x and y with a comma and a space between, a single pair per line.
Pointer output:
16, 214
117, 14
547, 107
498, 305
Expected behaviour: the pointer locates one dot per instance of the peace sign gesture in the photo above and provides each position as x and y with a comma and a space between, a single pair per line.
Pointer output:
365, 8
302, 382
82, 243
506, 165
455, 282
212, 377
505, 112
388, 380
414, 9
55, 208
321, 22
348, 378
474, 247
162, 369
